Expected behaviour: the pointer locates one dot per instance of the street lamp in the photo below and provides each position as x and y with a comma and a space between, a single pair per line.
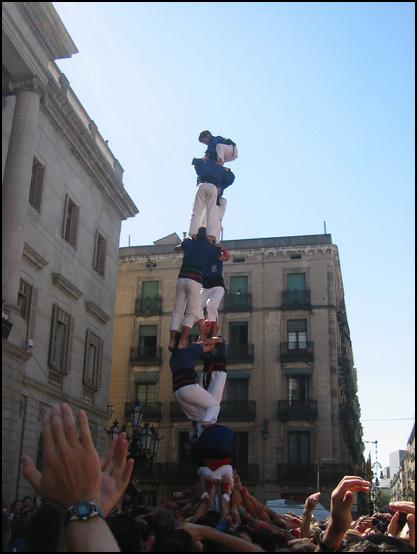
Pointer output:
144, 438
136, 414
321, 462
113, 431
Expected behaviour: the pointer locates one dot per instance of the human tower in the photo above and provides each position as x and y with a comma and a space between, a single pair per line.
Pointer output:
199, 286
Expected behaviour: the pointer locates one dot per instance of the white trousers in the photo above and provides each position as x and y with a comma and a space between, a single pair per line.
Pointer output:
226, 152
217, 383
205, 201
198, 404
187, 304
219, 212
211, 299
204, 471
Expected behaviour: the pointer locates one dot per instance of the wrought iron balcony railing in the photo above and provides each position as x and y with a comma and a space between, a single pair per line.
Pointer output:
148, 305
306, 474
146, 355
296, 299
234, 302
237, 410
297, 352
152, 410
240, 353
297, 409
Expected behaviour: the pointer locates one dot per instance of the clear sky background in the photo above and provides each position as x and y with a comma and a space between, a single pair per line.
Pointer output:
319, 98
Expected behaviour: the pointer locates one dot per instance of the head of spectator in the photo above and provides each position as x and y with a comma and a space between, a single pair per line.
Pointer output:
27, 503
16, 507
264, 539
375, 543
128, 532
177, 541
163, 523
42, 529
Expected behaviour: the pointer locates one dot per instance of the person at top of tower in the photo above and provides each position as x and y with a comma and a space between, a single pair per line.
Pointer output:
219, 149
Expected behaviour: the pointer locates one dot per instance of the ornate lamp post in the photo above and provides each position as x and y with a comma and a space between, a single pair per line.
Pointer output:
113, 431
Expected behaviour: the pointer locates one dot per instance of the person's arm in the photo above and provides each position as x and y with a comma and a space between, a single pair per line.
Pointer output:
201, 532
71, 474
409, 530
309, 507
93, 535
209, 344
224, 254
340, 511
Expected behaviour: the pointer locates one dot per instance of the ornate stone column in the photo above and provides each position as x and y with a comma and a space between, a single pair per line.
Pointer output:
16, 183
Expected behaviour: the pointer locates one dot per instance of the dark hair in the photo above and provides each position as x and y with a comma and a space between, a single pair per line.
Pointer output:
163, 522
245, 529
42, 529
201, 234
204, 134
265, 540
177, 541
376, 543
128, 532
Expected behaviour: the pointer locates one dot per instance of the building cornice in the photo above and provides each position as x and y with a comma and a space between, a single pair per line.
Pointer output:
32, 257
66, 286
97, 312
70, 118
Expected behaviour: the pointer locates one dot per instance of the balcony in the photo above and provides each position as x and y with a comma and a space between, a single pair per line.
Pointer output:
239, 410
297, 410
234, 302
148, 305
297, 352
152, 411
306, 474
240, 354
248, 473
185, 472
146, 356
296, 300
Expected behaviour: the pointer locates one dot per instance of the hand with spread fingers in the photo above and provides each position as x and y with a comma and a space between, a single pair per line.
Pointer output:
409, 530
116, 471
71, 465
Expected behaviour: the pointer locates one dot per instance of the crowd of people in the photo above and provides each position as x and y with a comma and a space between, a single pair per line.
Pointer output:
81, 504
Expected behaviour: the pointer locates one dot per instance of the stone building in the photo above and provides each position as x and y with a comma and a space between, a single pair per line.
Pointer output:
403, 484
63, 203
291, 392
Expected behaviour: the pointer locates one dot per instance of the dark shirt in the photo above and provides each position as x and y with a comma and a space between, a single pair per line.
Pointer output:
214, 443
182, 364
212, 172
198, 254
213, 276
211, 151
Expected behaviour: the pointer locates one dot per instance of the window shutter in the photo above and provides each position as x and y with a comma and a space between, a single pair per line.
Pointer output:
64, 222
239, 285
101, 258
99, 364
36, 191
52, 361
69, 336
73, 225
296, 281
32, 317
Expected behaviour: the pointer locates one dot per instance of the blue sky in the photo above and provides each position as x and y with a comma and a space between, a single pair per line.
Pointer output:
319, 98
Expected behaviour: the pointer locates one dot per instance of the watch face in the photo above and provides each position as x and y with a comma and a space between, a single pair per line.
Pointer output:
83, 509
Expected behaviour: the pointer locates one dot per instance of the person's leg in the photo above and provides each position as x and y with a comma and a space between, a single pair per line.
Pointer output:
185, 398
220, 210
198, 400
204, 295
192, 311
213, 303
226, 152
212, 212
216, 387
203, 197
178, 313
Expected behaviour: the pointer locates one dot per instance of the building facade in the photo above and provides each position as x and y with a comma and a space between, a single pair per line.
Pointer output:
291, 392
403, 484
63, 203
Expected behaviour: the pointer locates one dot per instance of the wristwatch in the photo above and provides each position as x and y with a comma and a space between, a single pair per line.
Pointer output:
83, 511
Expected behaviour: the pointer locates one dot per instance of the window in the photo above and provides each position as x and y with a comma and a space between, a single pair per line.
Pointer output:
60, 339
183, 439
148, 498
150, 297
36, 183
299, 447
24, 299
237, 390
238, 334
92, 361
148, 340
298, 390
146, 393
297, 334
99, 253
240, 449
70, 224
296, 281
